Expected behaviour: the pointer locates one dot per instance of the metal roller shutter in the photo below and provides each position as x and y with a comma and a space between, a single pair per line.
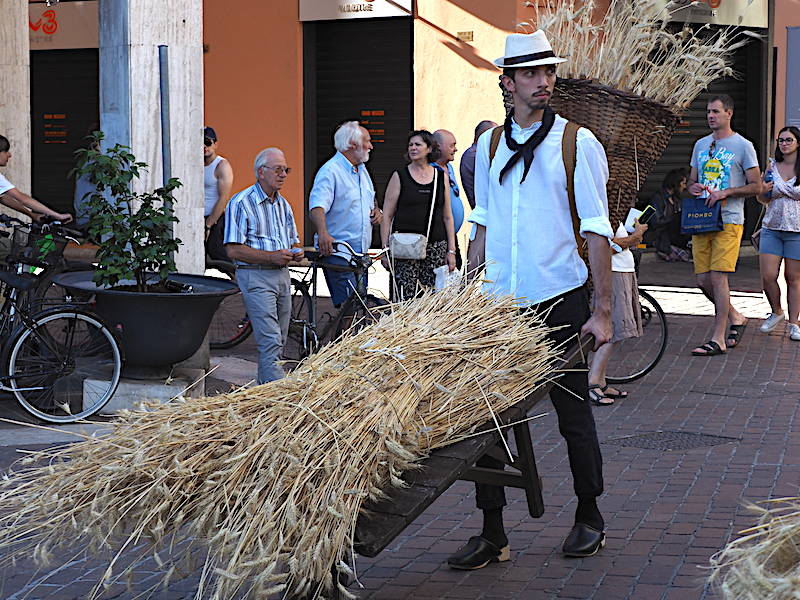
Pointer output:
358, 69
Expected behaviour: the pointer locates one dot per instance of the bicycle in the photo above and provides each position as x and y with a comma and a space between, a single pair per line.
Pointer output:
230, 325
62, 364
361, 308
634, 358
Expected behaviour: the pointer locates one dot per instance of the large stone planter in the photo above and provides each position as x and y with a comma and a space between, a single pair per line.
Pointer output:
156, 330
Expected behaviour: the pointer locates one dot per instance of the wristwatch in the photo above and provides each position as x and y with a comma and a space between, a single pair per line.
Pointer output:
452, 252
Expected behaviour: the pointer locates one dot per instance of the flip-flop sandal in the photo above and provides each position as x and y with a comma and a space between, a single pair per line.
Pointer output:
736, 332
710, 348
596, 396
616, 394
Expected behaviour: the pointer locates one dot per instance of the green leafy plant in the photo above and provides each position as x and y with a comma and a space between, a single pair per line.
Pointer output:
133, 230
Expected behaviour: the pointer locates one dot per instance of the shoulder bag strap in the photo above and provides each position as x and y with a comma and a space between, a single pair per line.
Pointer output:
433, 201
569, 151
495, 141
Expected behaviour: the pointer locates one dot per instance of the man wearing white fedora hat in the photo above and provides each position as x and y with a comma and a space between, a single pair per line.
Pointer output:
528, 229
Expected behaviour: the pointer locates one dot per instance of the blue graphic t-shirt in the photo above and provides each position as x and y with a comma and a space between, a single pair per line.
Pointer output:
723, 166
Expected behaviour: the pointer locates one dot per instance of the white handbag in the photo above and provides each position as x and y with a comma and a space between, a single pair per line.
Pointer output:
413, 246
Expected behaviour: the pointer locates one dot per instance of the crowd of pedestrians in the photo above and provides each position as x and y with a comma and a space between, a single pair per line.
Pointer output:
539, 224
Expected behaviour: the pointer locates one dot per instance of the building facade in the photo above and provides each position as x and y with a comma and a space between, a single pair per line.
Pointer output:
285, 73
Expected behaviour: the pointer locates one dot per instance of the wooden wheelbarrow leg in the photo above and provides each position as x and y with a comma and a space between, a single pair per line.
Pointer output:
524, 461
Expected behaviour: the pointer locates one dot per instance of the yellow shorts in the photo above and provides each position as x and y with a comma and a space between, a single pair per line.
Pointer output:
717, 251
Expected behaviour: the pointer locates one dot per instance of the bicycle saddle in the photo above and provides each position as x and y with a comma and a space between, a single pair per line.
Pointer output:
24, 281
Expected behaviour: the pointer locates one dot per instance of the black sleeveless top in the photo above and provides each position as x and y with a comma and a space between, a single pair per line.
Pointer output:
414, 205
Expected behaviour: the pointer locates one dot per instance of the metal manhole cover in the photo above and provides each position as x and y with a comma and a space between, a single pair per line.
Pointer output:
670, 440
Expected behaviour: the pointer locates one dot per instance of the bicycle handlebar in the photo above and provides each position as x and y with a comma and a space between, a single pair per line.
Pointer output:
44, 224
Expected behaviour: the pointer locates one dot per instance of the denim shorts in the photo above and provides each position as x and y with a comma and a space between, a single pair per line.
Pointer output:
780, 243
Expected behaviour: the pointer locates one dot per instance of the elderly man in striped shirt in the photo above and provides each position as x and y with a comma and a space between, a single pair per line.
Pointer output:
261, 238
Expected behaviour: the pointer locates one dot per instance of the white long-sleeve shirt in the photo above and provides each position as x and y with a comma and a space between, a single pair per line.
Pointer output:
530, 245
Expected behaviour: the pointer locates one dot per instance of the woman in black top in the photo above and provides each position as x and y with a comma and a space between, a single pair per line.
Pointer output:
406, 209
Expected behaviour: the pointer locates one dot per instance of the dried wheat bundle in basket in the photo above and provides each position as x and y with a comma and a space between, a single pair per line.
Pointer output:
628, 77
266, 484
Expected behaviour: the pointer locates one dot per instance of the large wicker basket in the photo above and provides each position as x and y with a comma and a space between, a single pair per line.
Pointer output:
633, 130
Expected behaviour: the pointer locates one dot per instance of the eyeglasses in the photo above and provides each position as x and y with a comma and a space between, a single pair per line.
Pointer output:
208, 141
712, 149
278, 170
785, 140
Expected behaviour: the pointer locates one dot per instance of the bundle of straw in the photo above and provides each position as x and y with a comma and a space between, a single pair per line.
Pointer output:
269, 481
764, 563
628, 78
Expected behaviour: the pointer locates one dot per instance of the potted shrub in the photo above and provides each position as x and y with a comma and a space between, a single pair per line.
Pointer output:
161, 316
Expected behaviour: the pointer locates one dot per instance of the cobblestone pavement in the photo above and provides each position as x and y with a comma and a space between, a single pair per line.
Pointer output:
667, 510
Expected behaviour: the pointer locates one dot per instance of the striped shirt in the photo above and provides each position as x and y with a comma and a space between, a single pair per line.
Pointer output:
253, 219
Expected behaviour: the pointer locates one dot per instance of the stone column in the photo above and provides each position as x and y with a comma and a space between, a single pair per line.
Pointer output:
130, 33
15, 90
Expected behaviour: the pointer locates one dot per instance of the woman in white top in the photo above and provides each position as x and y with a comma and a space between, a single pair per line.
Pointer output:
780, 232
13, 198
626, 314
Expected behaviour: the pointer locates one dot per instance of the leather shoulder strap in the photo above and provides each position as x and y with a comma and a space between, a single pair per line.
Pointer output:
569, 150
496, 133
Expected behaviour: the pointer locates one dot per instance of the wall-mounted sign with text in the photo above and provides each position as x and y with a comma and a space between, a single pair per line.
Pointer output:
64, 25
745, 13
327, 10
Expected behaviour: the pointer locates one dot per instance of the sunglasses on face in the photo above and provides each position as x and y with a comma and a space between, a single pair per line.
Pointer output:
279, 170
785, 140
207, 142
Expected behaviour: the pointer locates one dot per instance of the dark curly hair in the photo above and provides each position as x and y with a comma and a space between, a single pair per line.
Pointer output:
779, 155
430, 142
4, 144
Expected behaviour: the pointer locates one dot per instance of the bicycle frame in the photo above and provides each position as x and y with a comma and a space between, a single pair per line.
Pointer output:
359, 263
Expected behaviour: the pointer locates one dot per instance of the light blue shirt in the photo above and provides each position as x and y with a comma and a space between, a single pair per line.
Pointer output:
346, 194
530, 243
456, 205
255, 220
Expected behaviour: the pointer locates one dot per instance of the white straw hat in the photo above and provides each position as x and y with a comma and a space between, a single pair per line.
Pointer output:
528, 50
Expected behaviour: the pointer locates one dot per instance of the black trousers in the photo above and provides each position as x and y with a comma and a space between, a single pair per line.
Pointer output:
575, 420
215, 244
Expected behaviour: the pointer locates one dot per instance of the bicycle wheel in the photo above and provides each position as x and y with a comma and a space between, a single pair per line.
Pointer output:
65, 366
355, 314
230, 325
302, 338
636, 357
50, 295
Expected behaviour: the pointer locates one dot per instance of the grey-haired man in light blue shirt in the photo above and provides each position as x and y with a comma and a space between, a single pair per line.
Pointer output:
342, 205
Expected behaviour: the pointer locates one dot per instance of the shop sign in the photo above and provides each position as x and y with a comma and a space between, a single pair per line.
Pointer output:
327, 10
63, 25
745, 13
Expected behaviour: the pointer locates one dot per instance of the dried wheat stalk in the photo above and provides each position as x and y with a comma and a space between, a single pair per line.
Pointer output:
764, 562
270, 480
632, 50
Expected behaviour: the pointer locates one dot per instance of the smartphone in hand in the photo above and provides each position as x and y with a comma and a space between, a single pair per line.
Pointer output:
648, 213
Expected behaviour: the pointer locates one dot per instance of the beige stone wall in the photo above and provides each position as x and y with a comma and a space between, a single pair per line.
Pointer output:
15, 111
130, 33
787, 14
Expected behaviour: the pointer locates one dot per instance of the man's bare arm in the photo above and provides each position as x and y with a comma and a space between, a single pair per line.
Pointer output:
599, 324
476, 253
279, 258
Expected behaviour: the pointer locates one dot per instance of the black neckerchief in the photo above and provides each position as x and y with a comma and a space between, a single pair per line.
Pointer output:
526, 150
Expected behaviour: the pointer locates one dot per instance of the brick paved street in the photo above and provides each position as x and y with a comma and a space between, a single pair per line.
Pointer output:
666, 511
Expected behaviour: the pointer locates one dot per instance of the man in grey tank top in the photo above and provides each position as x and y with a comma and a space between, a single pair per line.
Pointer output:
217, 185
